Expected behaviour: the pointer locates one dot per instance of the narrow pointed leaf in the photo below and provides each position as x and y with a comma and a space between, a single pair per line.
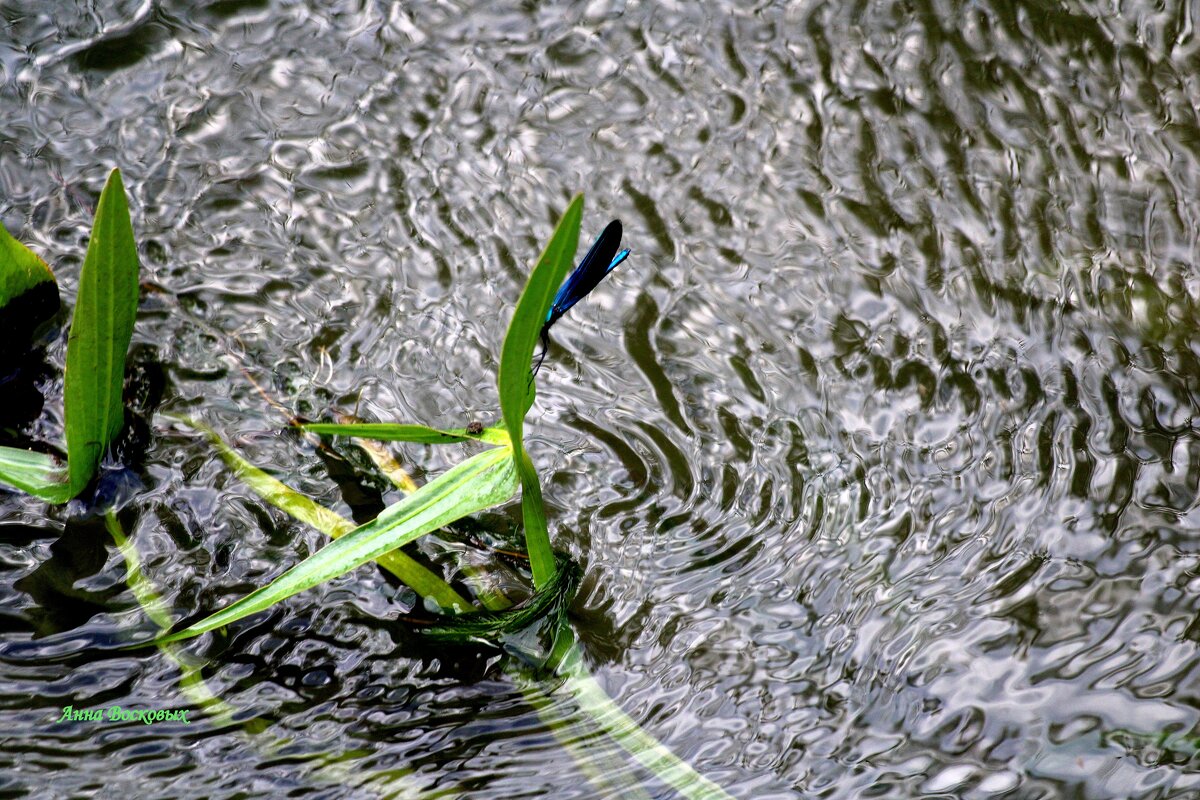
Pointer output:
101, 328
38, 474
480, 482
516, 387
396, 432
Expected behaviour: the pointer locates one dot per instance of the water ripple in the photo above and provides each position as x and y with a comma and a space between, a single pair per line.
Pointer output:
880, 450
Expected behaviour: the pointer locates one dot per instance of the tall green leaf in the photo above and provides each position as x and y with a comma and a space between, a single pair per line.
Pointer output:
515, 383
101, 328
480, 482
515, 388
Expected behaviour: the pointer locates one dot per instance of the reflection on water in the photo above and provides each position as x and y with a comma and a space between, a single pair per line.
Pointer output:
879, 451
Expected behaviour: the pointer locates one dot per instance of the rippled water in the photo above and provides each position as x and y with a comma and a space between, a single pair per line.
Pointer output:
879, 452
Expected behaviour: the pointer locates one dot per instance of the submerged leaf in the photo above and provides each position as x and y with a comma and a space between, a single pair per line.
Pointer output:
491, 627
101, 328
303, 508
387, 465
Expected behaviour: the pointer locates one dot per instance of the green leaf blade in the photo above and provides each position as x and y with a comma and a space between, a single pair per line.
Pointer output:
533, 513
515, 383
20, 269
480, 482
397, 432
101, 329
38, 474
515, 387
28, 293
303, 508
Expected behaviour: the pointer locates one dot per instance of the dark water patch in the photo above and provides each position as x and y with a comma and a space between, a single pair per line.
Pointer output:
124, 50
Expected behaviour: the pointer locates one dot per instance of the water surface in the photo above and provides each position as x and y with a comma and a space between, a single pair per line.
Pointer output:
879, 452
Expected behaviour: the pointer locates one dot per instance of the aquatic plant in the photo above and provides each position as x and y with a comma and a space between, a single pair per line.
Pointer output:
482, 481
486, 479
101, 329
